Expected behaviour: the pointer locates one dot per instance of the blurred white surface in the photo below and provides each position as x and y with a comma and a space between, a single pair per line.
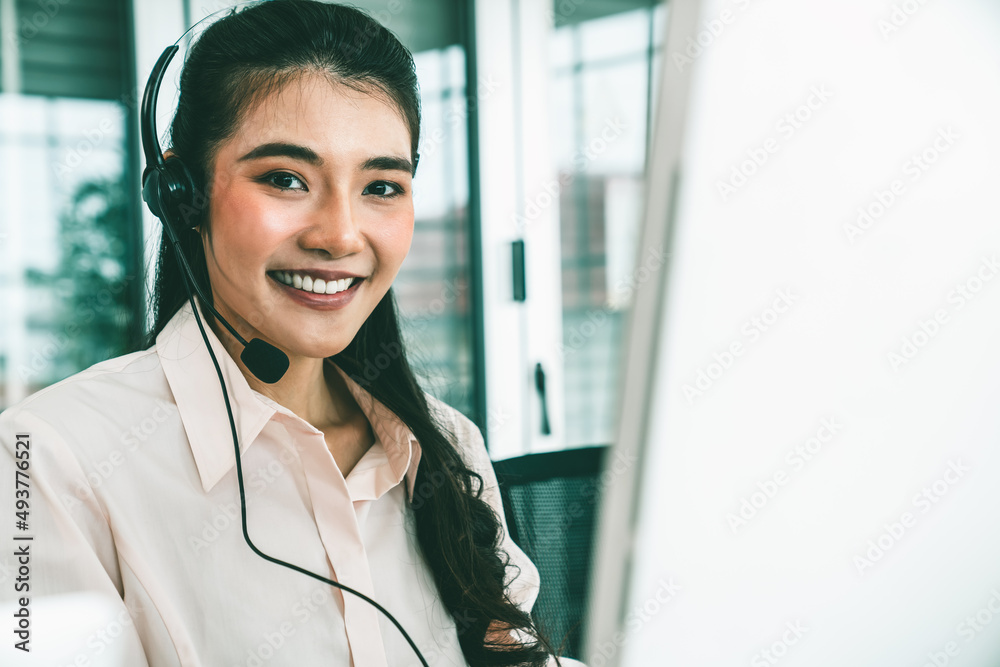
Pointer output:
822, 481
75, 629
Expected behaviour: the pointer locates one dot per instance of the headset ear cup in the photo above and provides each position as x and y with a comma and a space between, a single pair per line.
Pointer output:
150, 190
177, 189
168, 190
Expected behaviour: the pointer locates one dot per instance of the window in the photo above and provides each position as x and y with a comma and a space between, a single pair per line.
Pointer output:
601, 68
68, 287
433, 286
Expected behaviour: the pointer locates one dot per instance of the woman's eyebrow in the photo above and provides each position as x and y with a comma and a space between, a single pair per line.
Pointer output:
279, 149
387, 163
306, 154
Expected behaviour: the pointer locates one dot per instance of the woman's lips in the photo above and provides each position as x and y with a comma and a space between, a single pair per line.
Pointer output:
325, 282
319, 301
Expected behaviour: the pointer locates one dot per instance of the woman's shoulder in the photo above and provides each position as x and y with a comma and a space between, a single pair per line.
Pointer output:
522, 575
82, 428
101, 391
449, 416
462, 431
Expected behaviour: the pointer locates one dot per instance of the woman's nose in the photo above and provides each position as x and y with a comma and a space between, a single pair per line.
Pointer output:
333, 228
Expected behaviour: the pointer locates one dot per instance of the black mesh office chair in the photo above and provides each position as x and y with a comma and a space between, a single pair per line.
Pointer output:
550, 501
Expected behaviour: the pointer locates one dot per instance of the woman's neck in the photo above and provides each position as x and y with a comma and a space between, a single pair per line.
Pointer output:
308, 388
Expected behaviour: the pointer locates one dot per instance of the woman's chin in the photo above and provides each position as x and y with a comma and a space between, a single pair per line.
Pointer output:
316, 351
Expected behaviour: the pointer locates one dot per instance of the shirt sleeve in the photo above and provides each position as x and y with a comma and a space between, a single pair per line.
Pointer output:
71, 550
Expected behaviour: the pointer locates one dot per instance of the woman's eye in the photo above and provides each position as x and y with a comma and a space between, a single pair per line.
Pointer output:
383, 190
285, 181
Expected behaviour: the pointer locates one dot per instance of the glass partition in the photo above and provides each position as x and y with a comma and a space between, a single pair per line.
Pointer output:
601, 66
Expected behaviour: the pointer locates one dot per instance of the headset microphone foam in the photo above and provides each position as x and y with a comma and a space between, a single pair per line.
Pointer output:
264, 360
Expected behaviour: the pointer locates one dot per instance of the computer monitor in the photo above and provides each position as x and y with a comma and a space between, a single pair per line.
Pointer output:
809, 414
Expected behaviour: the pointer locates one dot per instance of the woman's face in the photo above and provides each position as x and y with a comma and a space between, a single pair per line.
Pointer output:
313, 188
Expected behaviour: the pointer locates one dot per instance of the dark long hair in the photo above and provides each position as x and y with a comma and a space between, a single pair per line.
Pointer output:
236, 63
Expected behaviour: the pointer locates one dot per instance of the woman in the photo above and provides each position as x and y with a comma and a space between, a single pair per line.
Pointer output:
299, 122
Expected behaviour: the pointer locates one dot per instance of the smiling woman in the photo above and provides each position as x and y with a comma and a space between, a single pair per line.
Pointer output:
297, 126
317, 171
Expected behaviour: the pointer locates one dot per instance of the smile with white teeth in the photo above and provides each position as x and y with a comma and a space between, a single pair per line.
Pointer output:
307, 283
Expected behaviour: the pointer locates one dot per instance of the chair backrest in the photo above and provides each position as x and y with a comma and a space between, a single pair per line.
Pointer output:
550, 501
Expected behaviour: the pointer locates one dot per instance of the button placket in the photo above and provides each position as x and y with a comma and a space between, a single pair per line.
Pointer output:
340, 532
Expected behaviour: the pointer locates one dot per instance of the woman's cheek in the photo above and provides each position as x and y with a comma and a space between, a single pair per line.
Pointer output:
247, 223
398, 234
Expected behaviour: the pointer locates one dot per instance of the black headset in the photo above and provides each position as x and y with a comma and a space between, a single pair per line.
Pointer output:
170, 192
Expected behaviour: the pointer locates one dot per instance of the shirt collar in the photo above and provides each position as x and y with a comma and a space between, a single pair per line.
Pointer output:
194, 384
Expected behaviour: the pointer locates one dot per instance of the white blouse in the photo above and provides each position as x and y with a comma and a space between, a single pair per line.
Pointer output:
133, 493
